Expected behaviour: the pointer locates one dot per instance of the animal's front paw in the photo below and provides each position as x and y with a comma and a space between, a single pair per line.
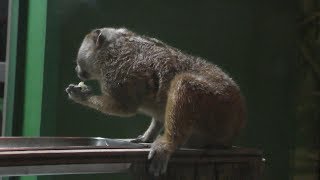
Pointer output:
159, 155
79, 92
141, 139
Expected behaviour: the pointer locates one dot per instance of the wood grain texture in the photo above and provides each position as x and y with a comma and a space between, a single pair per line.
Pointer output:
231, 164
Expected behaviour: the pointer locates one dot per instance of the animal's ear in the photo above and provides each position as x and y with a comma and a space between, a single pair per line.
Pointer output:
98, 38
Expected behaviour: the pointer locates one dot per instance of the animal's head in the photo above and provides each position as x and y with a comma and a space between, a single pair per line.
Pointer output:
94, 48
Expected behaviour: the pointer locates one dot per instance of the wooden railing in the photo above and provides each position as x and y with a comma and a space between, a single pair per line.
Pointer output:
186, 164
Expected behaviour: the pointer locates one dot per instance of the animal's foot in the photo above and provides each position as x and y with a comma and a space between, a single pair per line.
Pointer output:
141, 139
159, 155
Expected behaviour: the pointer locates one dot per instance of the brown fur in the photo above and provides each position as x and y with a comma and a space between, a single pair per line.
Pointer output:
197, 103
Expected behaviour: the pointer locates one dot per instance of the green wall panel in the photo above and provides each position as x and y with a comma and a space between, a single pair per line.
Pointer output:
34, 67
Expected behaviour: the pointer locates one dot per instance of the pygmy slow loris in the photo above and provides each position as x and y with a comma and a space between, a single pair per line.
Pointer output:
196, 103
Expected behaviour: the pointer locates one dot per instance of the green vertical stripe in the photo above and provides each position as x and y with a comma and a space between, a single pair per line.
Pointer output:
36, 34
12, 54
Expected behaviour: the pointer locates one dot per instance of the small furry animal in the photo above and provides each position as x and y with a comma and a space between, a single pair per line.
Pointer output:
196, 103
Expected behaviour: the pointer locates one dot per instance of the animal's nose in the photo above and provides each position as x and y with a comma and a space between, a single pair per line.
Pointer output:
83, 75
76, 69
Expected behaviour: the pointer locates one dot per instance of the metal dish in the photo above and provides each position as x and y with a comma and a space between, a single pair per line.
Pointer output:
37, 143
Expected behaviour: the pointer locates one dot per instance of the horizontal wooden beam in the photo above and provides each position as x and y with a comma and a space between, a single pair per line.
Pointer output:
243, 162
79, 156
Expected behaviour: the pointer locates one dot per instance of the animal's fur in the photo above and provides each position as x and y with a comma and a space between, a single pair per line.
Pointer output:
195, 101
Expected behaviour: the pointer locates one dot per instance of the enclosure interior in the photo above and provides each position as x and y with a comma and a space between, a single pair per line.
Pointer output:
256, 42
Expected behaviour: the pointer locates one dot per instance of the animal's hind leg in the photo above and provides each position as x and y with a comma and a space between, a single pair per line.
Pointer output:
180, 118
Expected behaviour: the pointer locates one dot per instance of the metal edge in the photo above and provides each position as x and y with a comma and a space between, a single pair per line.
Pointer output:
2, 71
64, 169
7, 60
